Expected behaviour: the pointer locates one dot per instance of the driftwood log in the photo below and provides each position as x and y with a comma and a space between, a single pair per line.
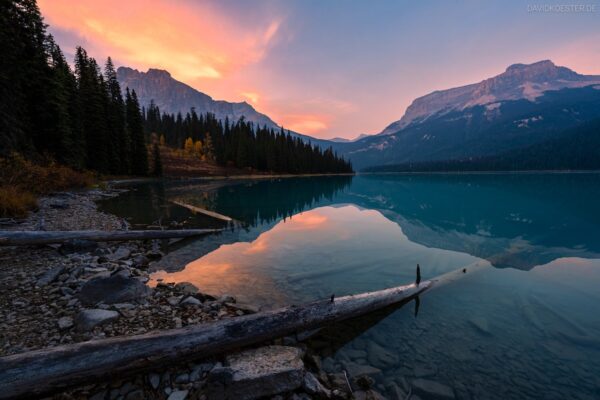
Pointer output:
195, 210
45, 371
16, 238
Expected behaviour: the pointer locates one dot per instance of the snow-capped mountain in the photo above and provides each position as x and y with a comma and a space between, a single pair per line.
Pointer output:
525, 105
519, 81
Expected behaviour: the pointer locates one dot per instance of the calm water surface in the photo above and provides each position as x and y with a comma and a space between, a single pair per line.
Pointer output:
528, 326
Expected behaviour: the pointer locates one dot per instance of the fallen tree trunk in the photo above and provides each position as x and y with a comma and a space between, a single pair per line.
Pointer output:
48, 370
17, 238
195, 209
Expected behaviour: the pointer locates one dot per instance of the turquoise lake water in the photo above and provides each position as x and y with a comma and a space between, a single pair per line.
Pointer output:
526, 326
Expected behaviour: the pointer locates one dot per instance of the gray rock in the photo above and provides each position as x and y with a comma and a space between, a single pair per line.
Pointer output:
190, 301
135, 395
178, 395
187, 287
65, 323
226, 299
481, 325
368, 395
395, 393
154, 380
141, 261
182, 378
423, 371
312, 386
380, 357
50, 275
199, 370
432, 389
246, 308
256, 373
120, 254
89, 318
113, 289
355, 370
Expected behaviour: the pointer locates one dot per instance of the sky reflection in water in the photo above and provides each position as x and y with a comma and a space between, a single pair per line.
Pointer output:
528, 328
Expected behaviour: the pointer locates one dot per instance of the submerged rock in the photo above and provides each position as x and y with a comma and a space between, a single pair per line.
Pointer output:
113, 289
256, 373
432, 389
89, 318
380, 357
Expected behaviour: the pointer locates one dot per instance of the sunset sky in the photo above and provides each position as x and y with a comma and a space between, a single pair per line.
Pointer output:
325, 68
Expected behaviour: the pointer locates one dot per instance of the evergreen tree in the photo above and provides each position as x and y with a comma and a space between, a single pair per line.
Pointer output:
139, 152
157, 168
116, 122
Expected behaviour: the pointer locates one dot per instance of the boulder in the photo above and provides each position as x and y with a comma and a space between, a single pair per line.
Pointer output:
120, 254
65, 323
313, 387
256, 373
140, 261
87, 319
356, 370
432, 389
190, 301
112, 289
187, 288
50, 275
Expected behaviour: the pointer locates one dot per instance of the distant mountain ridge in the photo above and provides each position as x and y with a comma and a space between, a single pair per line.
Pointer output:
525, 105
173, 96
519, 81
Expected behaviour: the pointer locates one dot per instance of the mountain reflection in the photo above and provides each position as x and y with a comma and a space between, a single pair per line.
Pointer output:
512, 220
330, 249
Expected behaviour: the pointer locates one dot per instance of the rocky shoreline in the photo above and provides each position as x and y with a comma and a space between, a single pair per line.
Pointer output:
80, 291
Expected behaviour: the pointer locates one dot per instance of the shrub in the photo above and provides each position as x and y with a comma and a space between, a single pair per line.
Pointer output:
21, 181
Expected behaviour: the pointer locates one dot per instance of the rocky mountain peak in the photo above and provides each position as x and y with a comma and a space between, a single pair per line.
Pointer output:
158, 73
518, 81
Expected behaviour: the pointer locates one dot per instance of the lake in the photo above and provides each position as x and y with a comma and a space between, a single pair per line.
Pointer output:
526, 326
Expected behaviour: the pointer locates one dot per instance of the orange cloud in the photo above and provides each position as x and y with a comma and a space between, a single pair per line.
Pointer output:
192, 41
305, 123
252, 96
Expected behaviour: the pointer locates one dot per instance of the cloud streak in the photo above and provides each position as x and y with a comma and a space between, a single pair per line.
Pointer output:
191, 41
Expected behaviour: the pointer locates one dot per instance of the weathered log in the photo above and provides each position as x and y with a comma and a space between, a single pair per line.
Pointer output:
195, 209
48, 370
16, 238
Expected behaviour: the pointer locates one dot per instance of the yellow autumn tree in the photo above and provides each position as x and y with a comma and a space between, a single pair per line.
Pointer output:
162, 140
189, 145
198, 148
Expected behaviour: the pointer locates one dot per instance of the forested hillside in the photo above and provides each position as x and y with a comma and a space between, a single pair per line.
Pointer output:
241, 144
574, 149
83, 119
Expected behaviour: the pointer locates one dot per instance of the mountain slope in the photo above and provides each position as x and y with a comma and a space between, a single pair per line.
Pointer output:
519, 81
574, 149
523, 106
172, 96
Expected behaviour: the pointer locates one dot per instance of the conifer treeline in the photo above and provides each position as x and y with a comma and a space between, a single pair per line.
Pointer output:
243, 145
77, 118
